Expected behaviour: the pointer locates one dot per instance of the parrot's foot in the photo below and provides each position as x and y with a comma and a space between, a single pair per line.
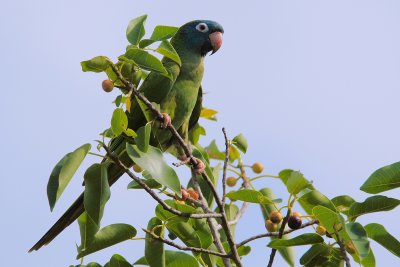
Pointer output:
199, 168
166, 120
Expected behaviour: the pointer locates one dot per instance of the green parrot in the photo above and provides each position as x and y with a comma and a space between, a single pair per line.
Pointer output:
179, 98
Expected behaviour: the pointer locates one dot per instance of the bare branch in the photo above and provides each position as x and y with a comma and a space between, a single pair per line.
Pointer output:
269, 234
194, 249
116, 160
227, 146
211, 223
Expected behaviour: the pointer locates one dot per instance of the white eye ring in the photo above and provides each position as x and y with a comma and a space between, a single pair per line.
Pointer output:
202, 27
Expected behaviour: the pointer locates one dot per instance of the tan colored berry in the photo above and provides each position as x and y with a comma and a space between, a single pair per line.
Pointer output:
257, 167
275, 216
320, 230
185, 194
193, 193
107, 85
137, 168
296, 213
271, 227
231, 181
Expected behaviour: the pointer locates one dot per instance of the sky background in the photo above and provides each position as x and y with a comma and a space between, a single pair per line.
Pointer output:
313, 85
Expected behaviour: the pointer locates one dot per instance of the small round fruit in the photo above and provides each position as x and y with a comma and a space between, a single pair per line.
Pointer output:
137, 168
296, 213
185, 194
294, 222
350, 247
107, 85
193, 193
172, 236
320, 230
275, 216
271, 227
231, 181
257, 167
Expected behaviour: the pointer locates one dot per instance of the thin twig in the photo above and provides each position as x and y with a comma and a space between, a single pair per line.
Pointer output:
116, 160
227, 146
194, 249
275, 233
342, 247
211, 222
246, 184
281, 230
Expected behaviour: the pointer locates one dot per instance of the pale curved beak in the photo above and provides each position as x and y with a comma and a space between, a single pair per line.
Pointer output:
216, 41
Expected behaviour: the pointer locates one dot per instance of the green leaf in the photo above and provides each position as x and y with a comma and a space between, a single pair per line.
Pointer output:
383, 179
154, 163
314, 198
296, 182
285, 174
143, 138
154, 249
372, 204
240, 142
195, 132
119, 121
87, 228
185, 232
118, 261
93, 264
287, 253
213, 151
96, 64
165, 215
162, 32
315, 251
327, 217
244, 250
203, 231
249, 195
369, 261
97, 191
145, 60
359, 237
109, 236
378, 233
304, 239
167, 50
343, 203
208, 114
149, 182
63, 172
179, 259
144, 43
131, 133
135, 30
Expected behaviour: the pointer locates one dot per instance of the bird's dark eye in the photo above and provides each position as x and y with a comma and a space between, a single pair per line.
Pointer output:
202, 27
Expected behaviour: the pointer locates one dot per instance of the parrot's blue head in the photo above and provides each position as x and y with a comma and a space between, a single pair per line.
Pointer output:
201, 36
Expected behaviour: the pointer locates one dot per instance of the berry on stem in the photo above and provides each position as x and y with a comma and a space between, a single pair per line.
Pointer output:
107, 85
271, 227
275, 216
231, 181
294, 221
257, 167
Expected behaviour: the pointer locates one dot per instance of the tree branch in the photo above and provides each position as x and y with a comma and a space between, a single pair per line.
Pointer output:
342, 247
227, 146
276, 233
194, 249
116, 160
211, 223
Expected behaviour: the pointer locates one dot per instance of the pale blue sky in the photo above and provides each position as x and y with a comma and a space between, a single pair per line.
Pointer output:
314, 85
